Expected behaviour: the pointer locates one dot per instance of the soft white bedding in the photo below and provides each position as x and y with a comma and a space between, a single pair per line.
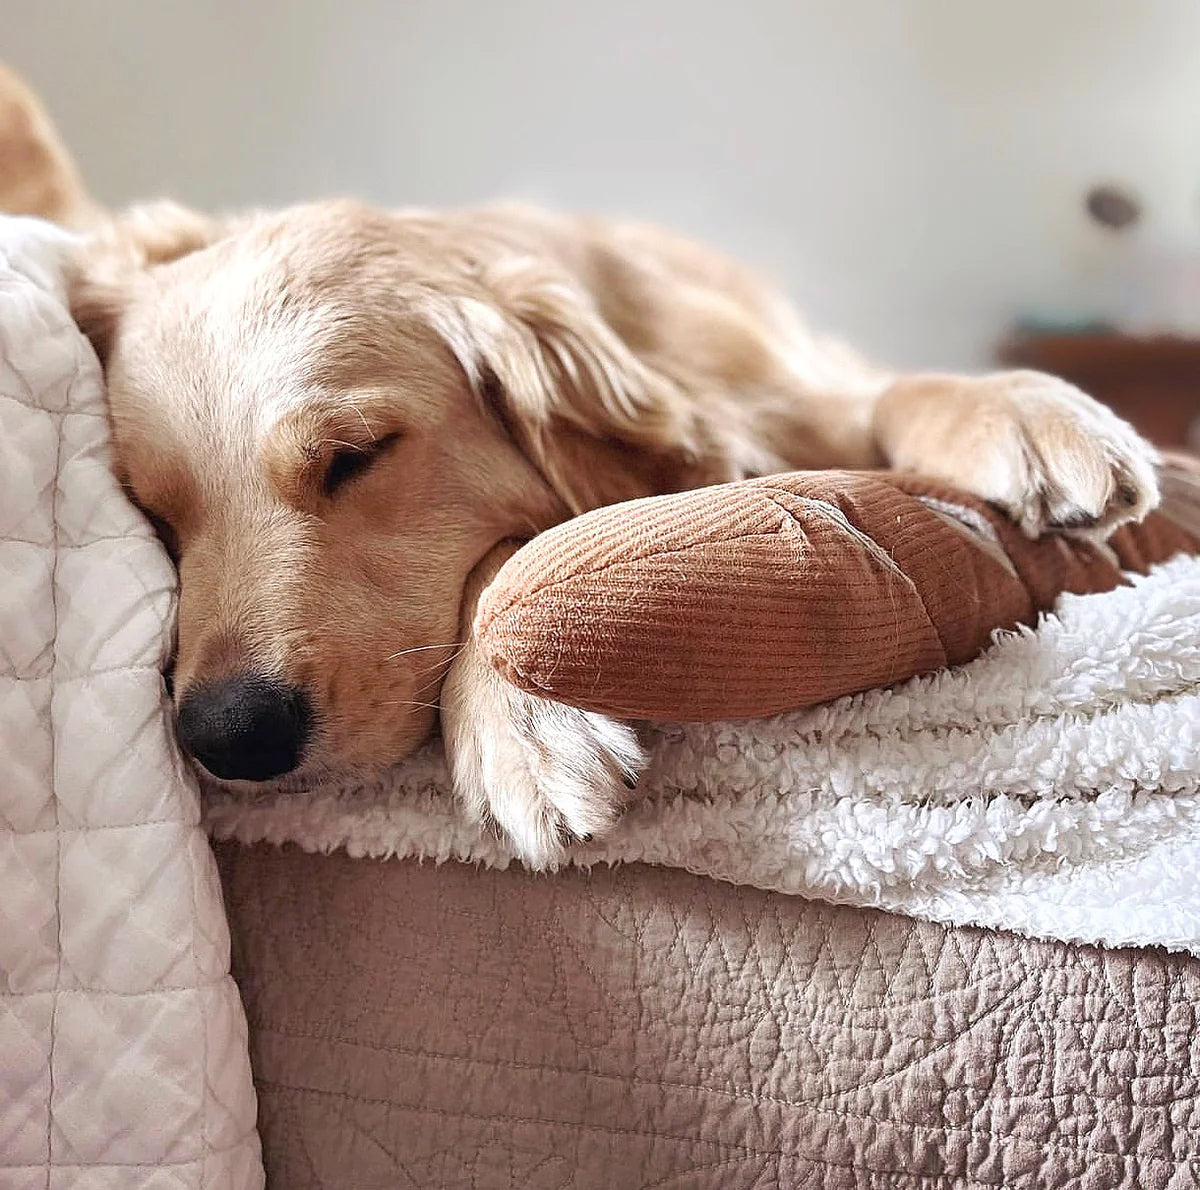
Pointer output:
123, 1059
1051, 787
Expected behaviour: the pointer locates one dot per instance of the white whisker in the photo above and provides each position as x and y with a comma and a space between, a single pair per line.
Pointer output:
409, 702
454, 644
438, 668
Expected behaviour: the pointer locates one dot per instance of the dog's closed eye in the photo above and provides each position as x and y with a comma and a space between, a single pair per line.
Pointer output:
166, 534
349, 462
163, 529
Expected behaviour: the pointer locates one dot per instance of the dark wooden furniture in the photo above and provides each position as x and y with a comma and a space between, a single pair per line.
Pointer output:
1152, 382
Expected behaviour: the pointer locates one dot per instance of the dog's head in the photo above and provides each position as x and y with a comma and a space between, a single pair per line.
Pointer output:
331, 415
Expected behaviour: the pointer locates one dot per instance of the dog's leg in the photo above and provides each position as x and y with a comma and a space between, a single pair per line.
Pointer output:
1048, 454
544, 773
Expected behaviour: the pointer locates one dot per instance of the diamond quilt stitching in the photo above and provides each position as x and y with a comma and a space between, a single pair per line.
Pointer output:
117, 1015
402, 1050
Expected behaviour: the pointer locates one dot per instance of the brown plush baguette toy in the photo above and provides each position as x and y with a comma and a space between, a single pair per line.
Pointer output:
773, 594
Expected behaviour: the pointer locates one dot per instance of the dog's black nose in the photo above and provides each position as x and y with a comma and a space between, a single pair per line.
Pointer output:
245, 728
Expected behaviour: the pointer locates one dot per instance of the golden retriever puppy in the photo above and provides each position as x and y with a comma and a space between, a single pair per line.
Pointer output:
335, 414
341, 418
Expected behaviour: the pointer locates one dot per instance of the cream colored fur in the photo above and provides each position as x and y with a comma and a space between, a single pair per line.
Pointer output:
519, 367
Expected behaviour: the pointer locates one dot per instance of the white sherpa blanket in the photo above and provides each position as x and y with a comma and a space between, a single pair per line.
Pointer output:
1051, 787
123, 1058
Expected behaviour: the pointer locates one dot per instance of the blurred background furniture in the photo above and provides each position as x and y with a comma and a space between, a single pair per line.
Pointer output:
1152, 381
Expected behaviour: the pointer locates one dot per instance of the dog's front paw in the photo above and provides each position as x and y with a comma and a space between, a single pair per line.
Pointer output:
1036, 446
546, 775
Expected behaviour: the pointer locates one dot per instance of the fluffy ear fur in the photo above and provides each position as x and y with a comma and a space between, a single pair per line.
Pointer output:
119, 251
599, 424
37, 175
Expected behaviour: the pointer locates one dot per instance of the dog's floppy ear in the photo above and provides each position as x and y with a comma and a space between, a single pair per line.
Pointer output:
119, 251
37, 175
598, 423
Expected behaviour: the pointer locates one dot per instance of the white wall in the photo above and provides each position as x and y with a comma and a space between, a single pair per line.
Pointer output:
911, 169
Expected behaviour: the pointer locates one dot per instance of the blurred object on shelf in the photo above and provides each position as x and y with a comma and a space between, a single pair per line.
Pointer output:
1032, 323
1153, 381
1145, 268
1112, 207
1135, 342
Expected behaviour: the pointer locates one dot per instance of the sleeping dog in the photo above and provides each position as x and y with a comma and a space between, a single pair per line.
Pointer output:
335, 415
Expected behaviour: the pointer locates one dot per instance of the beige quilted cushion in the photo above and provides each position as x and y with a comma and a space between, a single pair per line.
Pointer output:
640, 1027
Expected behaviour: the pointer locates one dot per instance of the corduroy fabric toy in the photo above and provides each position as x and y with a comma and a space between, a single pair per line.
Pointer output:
773, 594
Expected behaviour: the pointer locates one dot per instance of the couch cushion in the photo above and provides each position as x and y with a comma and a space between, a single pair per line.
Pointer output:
415, 1025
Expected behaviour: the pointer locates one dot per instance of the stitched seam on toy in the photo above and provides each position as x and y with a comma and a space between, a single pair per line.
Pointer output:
821, 507
835, 514
989, 544
771, 494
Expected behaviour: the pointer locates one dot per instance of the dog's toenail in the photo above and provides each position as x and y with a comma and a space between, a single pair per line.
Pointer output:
1077, 518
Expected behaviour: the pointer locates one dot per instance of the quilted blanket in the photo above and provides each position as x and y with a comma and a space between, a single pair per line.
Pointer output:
640, 1027
123, 1059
